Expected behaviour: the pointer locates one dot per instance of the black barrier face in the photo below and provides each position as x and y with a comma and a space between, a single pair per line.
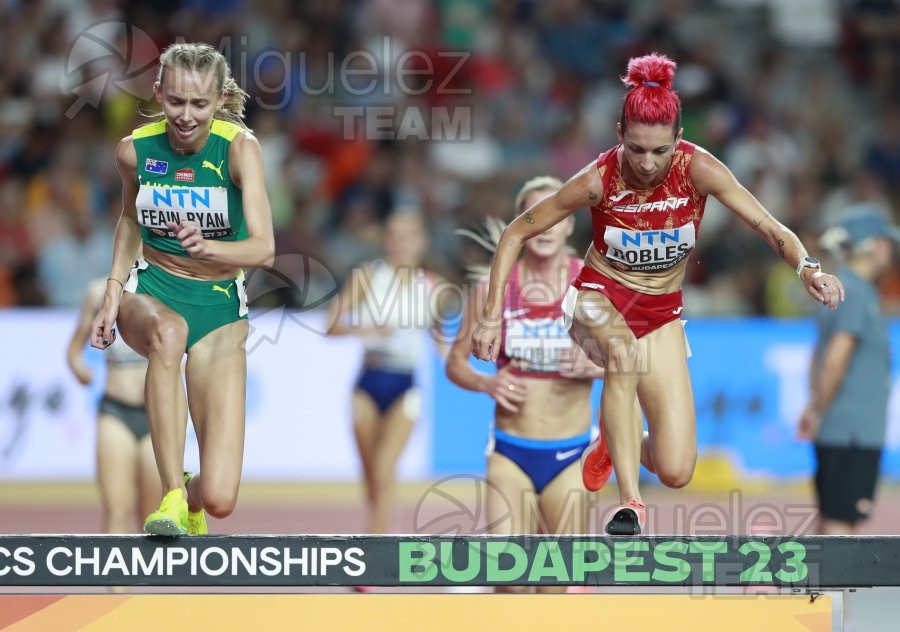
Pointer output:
416, 561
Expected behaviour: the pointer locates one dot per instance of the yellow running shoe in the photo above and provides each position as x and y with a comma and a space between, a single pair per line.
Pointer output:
196, 520
171, 518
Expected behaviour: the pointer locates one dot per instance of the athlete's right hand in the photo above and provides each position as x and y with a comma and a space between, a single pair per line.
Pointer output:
486, 340
508, 390
103, 332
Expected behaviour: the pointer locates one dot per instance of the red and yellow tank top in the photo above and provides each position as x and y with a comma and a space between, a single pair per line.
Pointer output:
652, 229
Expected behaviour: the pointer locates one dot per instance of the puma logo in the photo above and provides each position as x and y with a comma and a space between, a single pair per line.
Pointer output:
207, 164
621, 195
223, 290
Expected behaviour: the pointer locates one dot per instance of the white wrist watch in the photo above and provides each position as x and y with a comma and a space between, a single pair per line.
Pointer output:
808, 262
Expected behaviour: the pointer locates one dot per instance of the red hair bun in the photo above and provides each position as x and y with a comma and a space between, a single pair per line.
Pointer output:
652, 68
650, 99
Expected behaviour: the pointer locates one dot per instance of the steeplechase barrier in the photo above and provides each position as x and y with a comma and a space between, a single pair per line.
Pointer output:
806, 563
661, 582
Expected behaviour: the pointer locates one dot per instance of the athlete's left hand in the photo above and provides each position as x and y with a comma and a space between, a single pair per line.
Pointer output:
188, 233
825, 288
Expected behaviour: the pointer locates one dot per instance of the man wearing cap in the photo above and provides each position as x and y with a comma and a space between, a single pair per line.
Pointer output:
846, 417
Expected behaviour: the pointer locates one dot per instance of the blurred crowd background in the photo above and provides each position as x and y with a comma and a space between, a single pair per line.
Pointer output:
798, 97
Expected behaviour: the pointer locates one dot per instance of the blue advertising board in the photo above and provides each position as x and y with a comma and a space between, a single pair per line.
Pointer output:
750, 385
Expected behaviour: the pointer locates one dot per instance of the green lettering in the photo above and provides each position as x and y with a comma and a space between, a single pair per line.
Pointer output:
796, 554
493, 565
708, 551
580, 564
757, 573
416, 561
622, 560
557, 568
679, 569
473, 565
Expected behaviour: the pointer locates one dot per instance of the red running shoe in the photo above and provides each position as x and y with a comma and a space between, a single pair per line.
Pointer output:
596, 465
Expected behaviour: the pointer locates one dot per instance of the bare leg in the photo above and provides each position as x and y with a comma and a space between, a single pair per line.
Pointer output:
159, 334
365, 431
667, 398
511, 505
148, 477
600, 331
385, 445
565, 507
117, 458
216, 374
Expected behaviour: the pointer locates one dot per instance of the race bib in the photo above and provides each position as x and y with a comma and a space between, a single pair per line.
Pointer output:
207, 206
538, 342
648, 249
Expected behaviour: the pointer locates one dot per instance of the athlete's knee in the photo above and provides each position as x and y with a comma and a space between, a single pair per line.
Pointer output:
673, 464
219, 506
168, 337
675, 476
219, 503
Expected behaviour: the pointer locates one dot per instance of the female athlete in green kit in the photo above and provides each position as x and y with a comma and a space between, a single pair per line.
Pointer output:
194, 198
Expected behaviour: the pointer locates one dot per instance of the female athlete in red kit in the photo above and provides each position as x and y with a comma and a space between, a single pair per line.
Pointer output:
646, 197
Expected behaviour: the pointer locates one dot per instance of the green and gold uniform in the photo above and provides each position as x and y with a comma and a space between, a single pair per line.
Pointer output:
195, 187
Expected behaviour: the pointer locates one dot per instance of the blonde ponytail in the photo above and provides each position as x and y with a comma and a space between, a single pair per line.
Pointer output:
235, 100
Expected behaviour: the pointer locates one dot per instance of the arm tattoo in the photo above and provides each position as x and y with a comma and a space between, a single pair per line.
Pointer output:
592, 196
758, 222
781, 248
529, 217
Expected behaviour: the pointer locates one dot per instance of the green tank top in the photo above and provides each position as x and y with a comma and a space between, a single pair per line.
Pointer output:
195, 187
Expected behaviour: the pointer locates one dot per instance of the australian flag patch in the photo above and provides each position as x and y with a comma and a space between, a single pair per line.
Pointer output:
156, 166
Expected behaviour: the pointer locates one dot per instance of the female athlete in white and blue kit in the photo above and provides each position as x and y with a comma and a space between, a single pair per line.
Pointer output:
391, 304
